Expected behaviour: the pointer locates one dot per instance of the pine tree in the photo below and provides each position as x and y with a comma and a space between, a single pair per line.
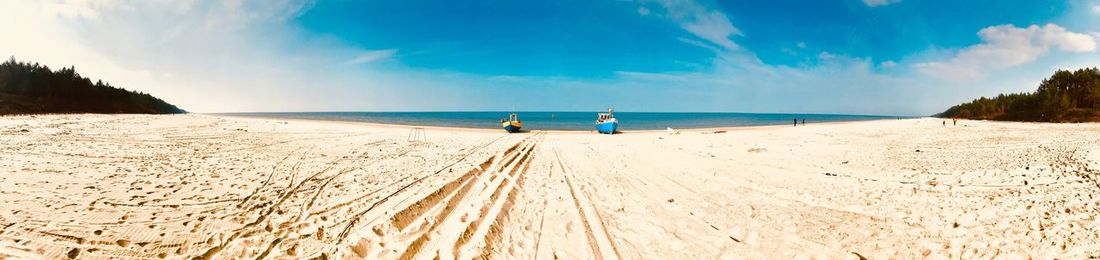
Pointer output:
33, 88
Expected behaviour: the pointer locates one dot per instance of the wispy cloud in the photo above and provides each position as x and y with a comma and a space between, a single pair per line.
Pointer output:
740, 81
710, 25
1006, 46
877, 3
372, 56
701, 44
204, 56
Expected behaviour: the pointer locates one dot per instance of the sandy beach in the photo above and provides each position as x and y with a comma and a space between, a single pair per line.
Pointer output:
184, 186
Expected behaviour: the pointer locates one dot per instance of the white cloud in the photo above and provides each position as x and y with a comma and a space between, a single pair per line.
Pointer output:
710, 25
737, 80
1096, 9
642, 10
801, 45
241, 55
1006, 46
701, 44
876, 3
372, 56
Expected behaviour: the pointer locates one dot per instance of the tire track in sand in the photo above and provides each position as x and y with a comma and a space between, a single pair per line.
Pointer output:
283, 196
598, 238
479, 238
455, 220
356, 218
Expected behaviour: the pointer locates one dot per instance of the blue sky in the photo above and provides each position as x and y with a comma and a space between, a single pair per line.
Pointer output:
583, 39
890, 57
593, 39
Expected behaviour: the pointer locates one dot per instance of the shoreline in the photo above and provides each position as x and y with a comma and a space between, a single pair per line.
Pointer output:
561, 131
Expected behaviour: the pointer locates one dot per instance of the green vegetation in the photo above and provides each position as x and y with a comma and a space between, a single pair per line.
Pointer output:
32, 89
1067, 96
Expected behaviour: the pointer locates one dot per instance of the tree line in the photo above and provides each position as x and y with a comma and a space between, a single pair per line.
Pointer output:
27, 88
1067, 96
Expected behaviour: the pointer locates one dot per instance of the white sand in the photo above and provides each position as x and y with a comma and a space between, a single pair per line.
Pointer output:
180, 186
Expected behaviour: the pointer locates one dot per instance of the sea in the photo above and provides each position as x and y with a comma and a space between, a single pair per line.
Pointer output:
568, 120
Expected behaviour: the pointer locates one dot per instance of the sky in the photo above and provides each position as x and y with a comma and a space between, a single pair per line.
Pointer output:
878, 57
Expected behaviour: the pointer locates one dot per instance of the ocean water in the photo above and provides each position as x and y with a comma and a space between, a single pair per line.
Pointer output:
567, 120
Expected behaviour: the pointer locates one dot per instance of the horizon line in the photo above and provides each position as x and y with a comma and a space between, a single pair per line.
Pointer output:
563, 111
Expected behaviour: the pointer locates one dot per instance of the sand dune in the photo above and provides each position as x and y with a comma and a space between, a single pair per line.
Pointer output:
184, 186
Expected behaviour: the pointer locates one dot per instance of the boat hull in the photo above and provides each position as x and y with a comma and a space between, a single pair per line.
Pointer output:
607, 127
512, 127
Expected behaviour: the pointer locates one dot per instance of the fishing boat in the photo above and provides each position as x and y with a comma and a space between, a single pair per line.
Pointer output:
512, 124
606, 122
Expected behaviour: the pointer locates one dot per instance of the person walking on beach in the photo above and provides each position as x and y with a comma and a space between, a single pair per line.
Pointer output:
803, 122
796, 122
955, 121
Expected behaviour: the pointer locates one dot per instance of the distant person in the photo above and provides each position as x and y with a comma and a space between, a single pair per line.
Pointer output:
954, 121
944, 122
803, 121
796, 122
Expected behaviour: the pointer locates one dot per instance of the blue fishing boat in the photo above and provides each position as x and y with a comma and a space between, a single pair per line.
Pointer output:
606, 122
512, 124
